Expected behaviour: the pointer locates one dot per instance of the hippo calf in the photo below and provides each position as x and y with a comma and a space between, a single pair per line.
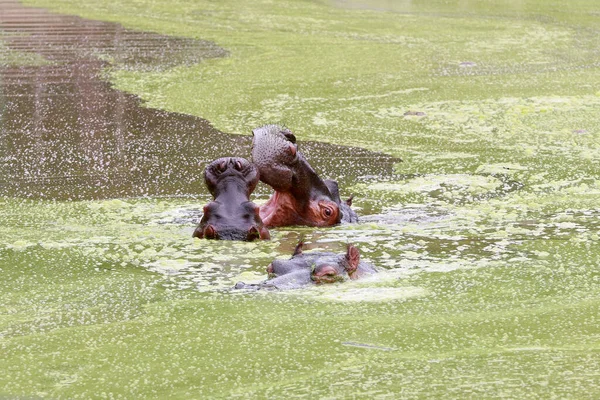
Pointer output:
301, 197
231, 215
318, 268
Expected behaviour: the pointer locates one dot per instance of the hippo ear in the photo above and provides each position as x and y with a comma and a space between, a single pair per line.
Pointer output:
298, 249
334, 189
352, 259
349, 201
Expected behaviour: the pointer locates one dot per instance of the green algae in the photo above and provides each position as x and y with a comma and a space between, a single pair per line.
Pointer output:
124, 333
452, 289
486, 237
346, 57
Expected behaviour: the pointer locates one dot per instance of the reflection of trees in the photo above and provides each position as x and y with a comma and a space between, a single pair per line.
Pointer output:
70, 135
67, 134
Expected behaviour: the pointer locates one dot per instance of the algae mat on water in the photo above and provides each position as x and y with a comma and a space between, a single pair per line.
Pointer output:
487, 237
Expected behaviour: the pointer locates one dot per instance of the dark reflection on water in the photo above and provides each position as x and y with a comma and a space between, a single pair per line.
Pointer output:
66, 134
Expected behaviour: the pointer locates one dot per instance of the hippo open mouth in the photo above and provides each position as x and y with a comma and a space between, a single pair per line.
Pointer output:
301, 197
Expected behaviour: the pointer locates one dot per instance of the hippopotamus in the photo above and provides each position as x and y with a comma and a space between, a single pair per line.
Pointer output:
231, 215
301, 197
318, 268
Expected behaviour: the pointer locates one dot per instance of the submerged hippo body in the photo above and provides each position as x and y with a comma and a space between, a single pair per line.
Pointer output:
301, 197
318, 268
231, 215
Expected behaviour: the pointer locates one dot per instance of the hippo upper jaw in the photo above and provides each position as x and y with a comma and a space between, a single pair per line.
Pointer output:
228, 174
275, 156
231, 215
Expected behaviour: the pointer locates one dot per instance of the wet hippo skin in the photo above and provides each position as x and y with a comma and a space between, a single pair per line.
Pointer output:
301, 197
313, 268
231, 215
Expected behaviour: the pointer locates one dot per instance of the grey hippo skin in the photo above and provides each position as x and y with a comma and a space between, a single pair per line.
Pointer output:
312, 268
301, 197
231, 215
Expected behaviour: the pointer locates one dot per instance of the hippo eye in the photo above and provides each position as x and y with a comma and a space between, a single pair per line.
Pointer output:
328, 212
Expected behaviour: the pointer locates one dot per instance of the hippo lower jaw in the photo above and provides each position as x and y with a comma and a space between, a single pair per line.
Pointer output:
279, 211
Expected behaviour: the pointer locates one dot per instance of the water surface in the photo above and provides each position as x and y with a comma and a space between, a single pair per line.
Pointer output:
486, 235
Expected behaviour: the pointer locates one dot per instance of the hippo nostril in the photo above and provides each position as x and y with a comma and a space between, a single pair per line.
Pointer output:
210, 232
292, 149
289, 135
253, 234
222, 166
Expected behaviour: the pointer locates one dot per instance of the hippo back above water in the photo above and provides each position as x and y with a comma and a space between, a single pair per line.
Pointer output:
313, 268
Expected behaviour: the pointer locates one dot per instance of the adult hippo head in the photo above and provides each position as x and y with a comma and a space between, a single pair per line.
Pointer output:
231, 215
301, 197
318, 268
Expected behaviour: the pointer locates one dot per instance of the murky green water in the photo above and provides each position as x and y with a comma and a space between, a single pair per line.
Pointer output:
486, 235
